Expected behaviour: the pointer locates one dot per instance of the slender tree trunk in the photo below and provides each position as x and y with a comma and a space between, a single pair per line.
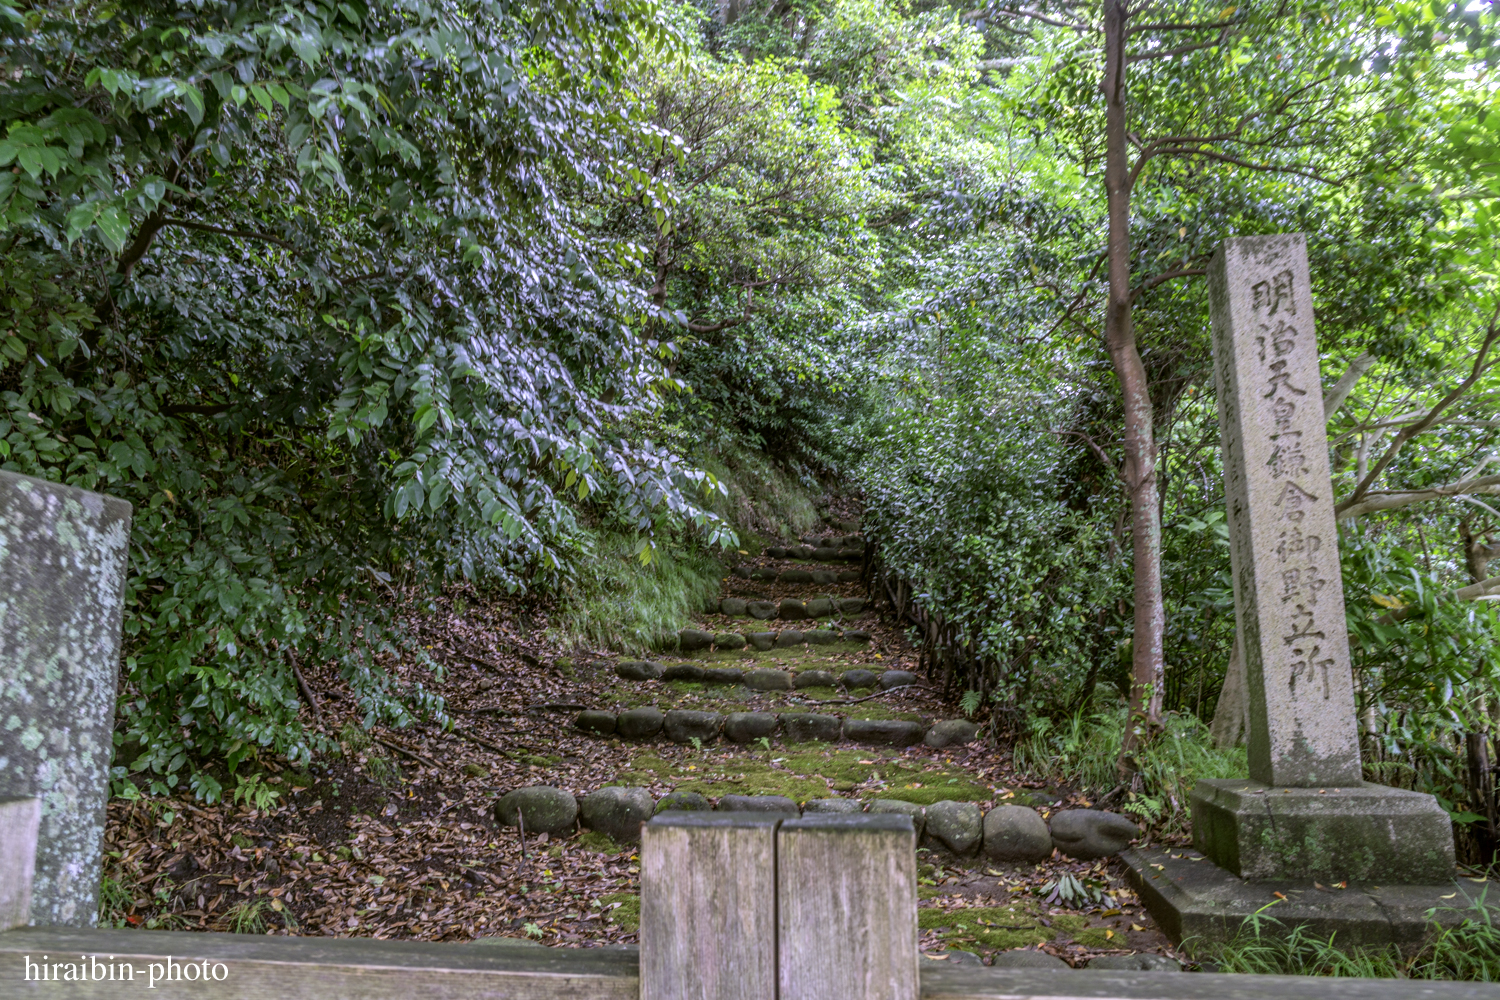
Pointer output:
1477, 551
1140, 440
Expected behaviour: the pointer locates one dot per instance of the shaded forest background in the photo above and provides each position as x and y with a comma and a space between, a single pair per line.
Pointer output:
359, 302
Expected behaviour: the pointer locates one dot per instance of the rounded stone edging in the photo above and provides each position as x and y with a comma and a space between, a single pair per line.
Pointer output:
960, 828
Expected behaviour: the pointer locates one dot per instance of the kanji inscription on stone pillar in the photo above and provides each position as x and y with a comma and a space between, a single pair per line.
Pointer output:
1288, 598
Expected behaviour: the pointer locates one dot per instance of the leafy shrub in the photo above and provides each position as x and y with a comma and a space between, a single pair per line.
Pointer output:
962, 498
335, 342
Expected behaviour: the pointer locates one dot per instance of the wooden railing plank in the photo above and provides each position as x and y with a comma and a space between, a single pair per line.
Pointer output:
274, 968
259, 967
847, 902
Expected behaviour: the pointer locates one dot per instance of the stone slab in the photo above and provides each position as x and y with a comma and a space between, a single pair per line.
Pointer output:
260, 967
1364, 833
1288, 595
942, 981
19, 820
708, 906
846, 896
1192, 898
62, 579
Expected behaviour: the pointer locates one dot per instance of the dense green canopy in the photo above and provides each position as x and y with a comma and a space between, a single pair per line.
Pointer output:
354, 301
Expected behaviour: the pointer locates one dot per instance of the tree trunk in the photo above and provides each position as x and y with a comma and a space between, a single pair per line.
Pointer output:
1478, 552
1135, 390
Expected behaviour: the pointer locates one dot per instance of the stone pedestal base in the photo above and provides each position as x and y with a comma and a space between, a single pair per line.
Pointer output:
1365, 833
1195, 901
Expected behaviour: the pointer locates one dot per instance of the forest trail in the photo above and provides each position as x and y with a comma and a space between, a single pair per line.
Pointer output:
400, 836
837, 724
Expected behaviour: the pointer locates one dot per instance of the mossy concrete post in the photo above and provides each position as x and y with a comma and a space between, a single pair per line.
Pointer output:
847, 907
708, 906
62, 579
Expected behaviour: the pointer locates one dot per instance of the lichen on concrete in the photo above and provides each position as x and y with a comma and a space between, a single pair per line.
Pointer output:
62, 577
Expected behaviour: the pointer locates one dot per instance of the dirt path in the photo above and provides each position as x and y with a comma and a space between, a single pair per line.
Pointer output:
398, 837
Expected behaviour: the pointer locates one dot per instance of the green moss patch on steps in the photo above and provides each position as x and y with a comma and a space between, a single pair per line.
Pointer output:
726, 698
624, 909
803, 656
813, 771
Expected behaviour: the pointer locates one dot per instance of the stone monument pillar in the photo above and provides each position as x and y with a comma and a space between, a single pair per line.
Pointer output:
1306, 812
62, 579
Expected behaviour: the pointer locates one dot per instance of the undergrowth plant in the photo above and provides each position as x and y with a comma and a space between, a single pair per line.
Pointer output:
1083, 750
1466, 948
624, 604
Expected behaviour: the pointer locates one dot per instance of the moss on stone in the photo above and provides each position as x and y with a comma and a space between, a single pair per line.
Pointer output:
872, 710
654, 765
796, 787
835, 765
628, 914
991, 926
961, 791
593, 840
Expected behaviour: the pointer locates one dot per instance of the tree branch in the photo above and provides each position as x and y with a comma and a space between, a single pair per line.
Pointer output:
1377, 500
1248, 165
1336, 396
1109, 463
1181, 50
1412, 430
1044, 19
1164, 277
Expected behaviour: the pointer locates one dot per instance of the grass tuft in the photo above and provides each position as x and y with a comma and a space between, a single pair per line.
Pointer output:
625, 605
1468, 949
1084, 751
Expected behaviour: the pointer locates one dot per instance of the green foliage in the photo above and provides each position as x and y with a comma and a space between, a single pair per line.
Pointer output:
308, 287
1068, 890
621, 603
1084, 751
246, 917
963, 498
1413, 642
760, 498
1466, 949
115, 903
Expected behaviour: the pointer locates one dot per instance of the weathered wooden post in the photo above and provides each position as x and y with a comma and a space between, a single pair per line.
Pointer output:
847, 901
62, 579
708, 906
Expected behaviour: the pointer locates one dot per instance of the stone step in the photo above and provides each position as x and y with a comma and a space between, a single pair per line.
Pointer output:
690, 640
795, 574
763, 678
685, 726
790, 608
